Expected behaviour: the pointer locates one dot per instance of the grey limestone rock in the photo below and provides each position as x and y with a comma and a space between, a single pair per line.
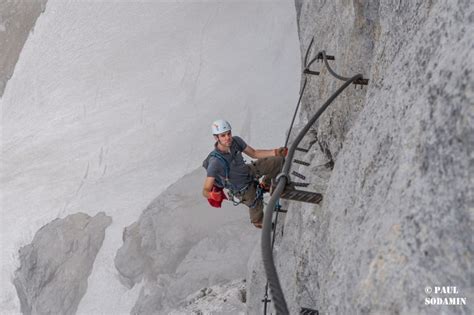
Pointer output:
397, 210
53, 272
180, 245
17, 20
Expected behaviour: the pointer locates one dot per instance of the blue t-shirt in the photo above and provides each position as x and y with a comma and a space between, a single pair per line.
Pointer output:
239, 172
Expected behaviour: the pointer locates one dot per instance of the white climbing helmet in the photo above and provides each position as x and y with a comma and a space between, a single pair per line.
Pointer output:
220, 126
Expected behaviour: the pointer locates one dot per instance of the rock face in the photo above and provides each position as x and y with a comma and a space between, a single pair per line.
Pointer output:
397, 210
180, 245
228, 298
52, 277
17, 19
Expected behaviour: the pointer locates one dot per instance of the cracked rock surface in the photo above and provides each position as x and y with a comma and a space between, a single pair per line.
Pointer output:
396, 214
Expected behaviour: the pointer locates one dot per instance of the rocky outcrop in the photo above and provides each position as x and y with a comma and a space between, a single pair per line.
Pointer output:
214, 260
228, 298
395, 217
17, 19
180, 245
54, 268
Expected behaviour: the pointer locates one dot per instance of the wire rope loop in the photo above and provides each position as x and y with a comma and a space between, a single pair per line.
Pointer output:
281, 175
337, 76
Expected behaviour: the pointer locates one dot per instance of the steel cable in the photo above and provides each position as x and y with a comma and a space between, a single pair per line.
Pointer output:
296, 111
330, 69
266, 240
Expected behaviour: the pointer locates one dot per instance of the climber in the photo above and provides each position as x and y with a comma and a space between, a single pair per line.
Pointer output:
227, 169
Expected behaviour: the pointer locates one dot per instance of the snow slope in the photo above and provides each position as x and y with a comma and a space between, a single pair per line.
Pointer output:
111, 102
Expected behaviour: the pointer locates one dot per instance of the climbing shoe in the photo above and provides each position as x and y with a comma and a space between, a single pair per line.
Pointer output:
264, 187
258, 225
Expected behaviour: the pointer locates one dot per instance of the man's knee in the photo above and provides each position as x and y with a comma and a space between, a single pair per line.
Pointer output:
274, 165
279, 160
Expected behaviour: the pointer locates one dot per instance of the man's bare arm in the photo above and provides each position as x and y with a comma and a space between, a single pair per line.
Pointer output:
208, 183
258, 154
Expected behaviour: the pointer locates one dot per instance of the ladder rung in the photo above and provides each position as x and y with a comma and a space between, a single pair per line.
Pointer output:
298, 175
301, 162
308, 311
300, 184
302, 150
328, 57
301, 195
307, 71
361, 82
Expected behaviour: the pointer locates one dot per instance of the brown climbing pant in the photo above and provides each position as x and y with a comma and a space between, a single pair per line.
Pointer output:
270, 167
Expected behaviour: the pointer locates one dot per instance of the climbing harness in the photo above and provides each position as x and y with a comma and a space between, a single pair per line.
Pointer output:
259, 191
236, 194
283, 179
